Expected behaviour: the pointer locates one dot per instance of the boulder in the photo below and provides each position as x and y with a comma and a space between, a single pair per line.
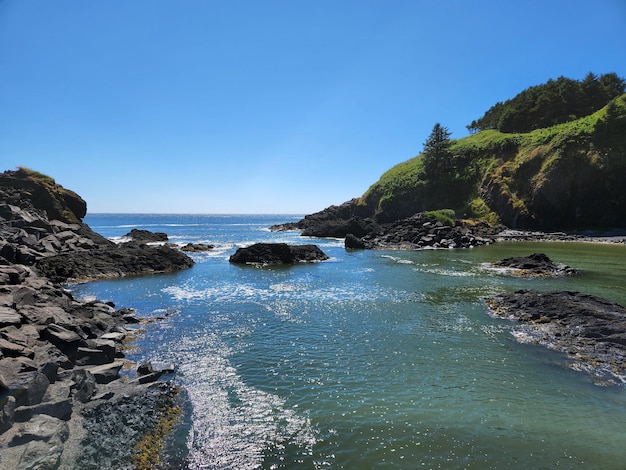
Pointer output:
146, 236
537, 264
277, 254
106, 373
196, 247
9, 316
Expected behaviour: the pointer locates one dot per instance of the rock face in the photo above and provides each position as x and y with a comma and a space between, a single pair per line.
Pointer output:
196, 247
419, 231
422, 231
277, 253
146, 236
590, 330
537, 264
116, 261
60, 357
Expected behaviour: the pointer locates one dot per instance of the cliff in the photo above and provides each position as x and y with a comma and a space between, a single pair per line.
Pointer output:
566, 177
61, 358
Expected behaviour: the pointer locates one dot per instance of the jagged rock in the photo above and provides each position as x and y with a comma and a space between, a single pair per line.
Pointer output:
196, 247
7, 412
354, 243
44, 331
145, 368
89, 356
84, 385
61, 337
113, 262
106, 373
589, 329
42, 427
61, 409
10, 349
9, 316
146, 236
277, 253
537, 264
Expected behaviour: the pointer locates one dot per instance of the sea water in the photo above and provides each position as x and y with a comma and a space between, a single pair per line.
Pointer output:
372, 359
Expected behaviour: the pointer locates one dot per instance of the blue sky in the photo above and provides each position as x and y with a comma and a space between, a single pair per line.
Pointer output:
250, 106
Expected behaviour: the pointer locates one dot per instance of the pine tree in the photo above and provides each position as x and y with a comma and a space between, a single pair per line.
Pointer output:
438, 159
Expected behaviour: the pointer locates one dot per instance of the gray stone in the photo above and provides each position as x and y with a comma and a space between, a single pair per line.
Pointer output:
60, 335
39, 455
61, 409
41, 428
84, 385
90, 356
10, 349
107, 372
7, 412
108, 347
9, 316
114, 336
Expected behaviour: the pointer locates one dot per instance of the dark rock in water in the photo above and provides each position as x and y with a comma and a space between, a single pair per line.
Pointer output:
277, 253
537, 264
352, 242
589, 329
113, 262
196, 247
146, 236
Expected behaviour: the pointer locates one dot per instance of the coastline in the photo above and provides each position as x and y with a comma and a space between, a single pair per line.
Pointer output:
63, 364
62, 359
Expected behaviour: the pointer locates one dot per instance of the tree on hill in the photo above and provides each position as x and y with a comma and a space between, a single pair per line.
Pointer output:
552, 103
438, 160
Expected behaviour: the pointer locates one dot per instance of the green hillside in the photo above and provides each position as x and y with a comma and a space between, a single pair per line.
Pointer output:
567, 176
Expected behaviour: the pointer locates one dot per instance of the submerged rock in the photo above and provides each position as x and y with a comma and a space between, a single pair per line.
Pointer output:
589, 329
277, 253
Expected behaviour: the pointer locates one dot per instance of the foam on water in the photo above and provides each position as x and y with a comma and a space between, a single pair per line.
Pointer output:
233, 423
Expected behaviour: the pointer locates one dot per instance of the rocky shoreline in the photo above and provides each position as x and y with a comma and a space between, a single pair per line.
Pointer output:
425, 231
62, 361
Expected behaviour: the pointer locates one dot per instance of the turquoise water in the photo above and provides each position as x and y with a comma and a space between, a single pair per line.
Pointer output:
373, 359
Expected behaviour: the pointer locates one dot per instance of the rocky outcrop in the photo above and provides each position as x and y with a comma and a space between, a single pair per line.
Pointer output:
423, 231
61, 358
277, 253
591, 331
146, 236
124, 260
58, 355
196, 247
537, 264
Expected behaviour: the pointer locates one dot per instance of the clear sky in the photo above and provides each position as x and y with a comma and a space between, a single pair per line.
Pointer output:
268, 106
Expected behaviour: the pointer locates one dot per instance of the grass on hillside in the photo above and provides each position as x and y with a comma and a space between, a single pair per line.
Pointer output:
519, 162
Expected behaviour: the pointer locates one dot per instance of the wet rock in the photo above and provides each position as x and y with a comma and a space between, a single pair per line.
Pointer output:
196, 247
537, 264
113, 262
146, 236
277, 253
589, 329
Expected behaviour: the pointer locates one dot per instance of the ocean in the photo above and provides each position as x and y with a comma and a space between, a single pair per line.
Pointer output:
372, 359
